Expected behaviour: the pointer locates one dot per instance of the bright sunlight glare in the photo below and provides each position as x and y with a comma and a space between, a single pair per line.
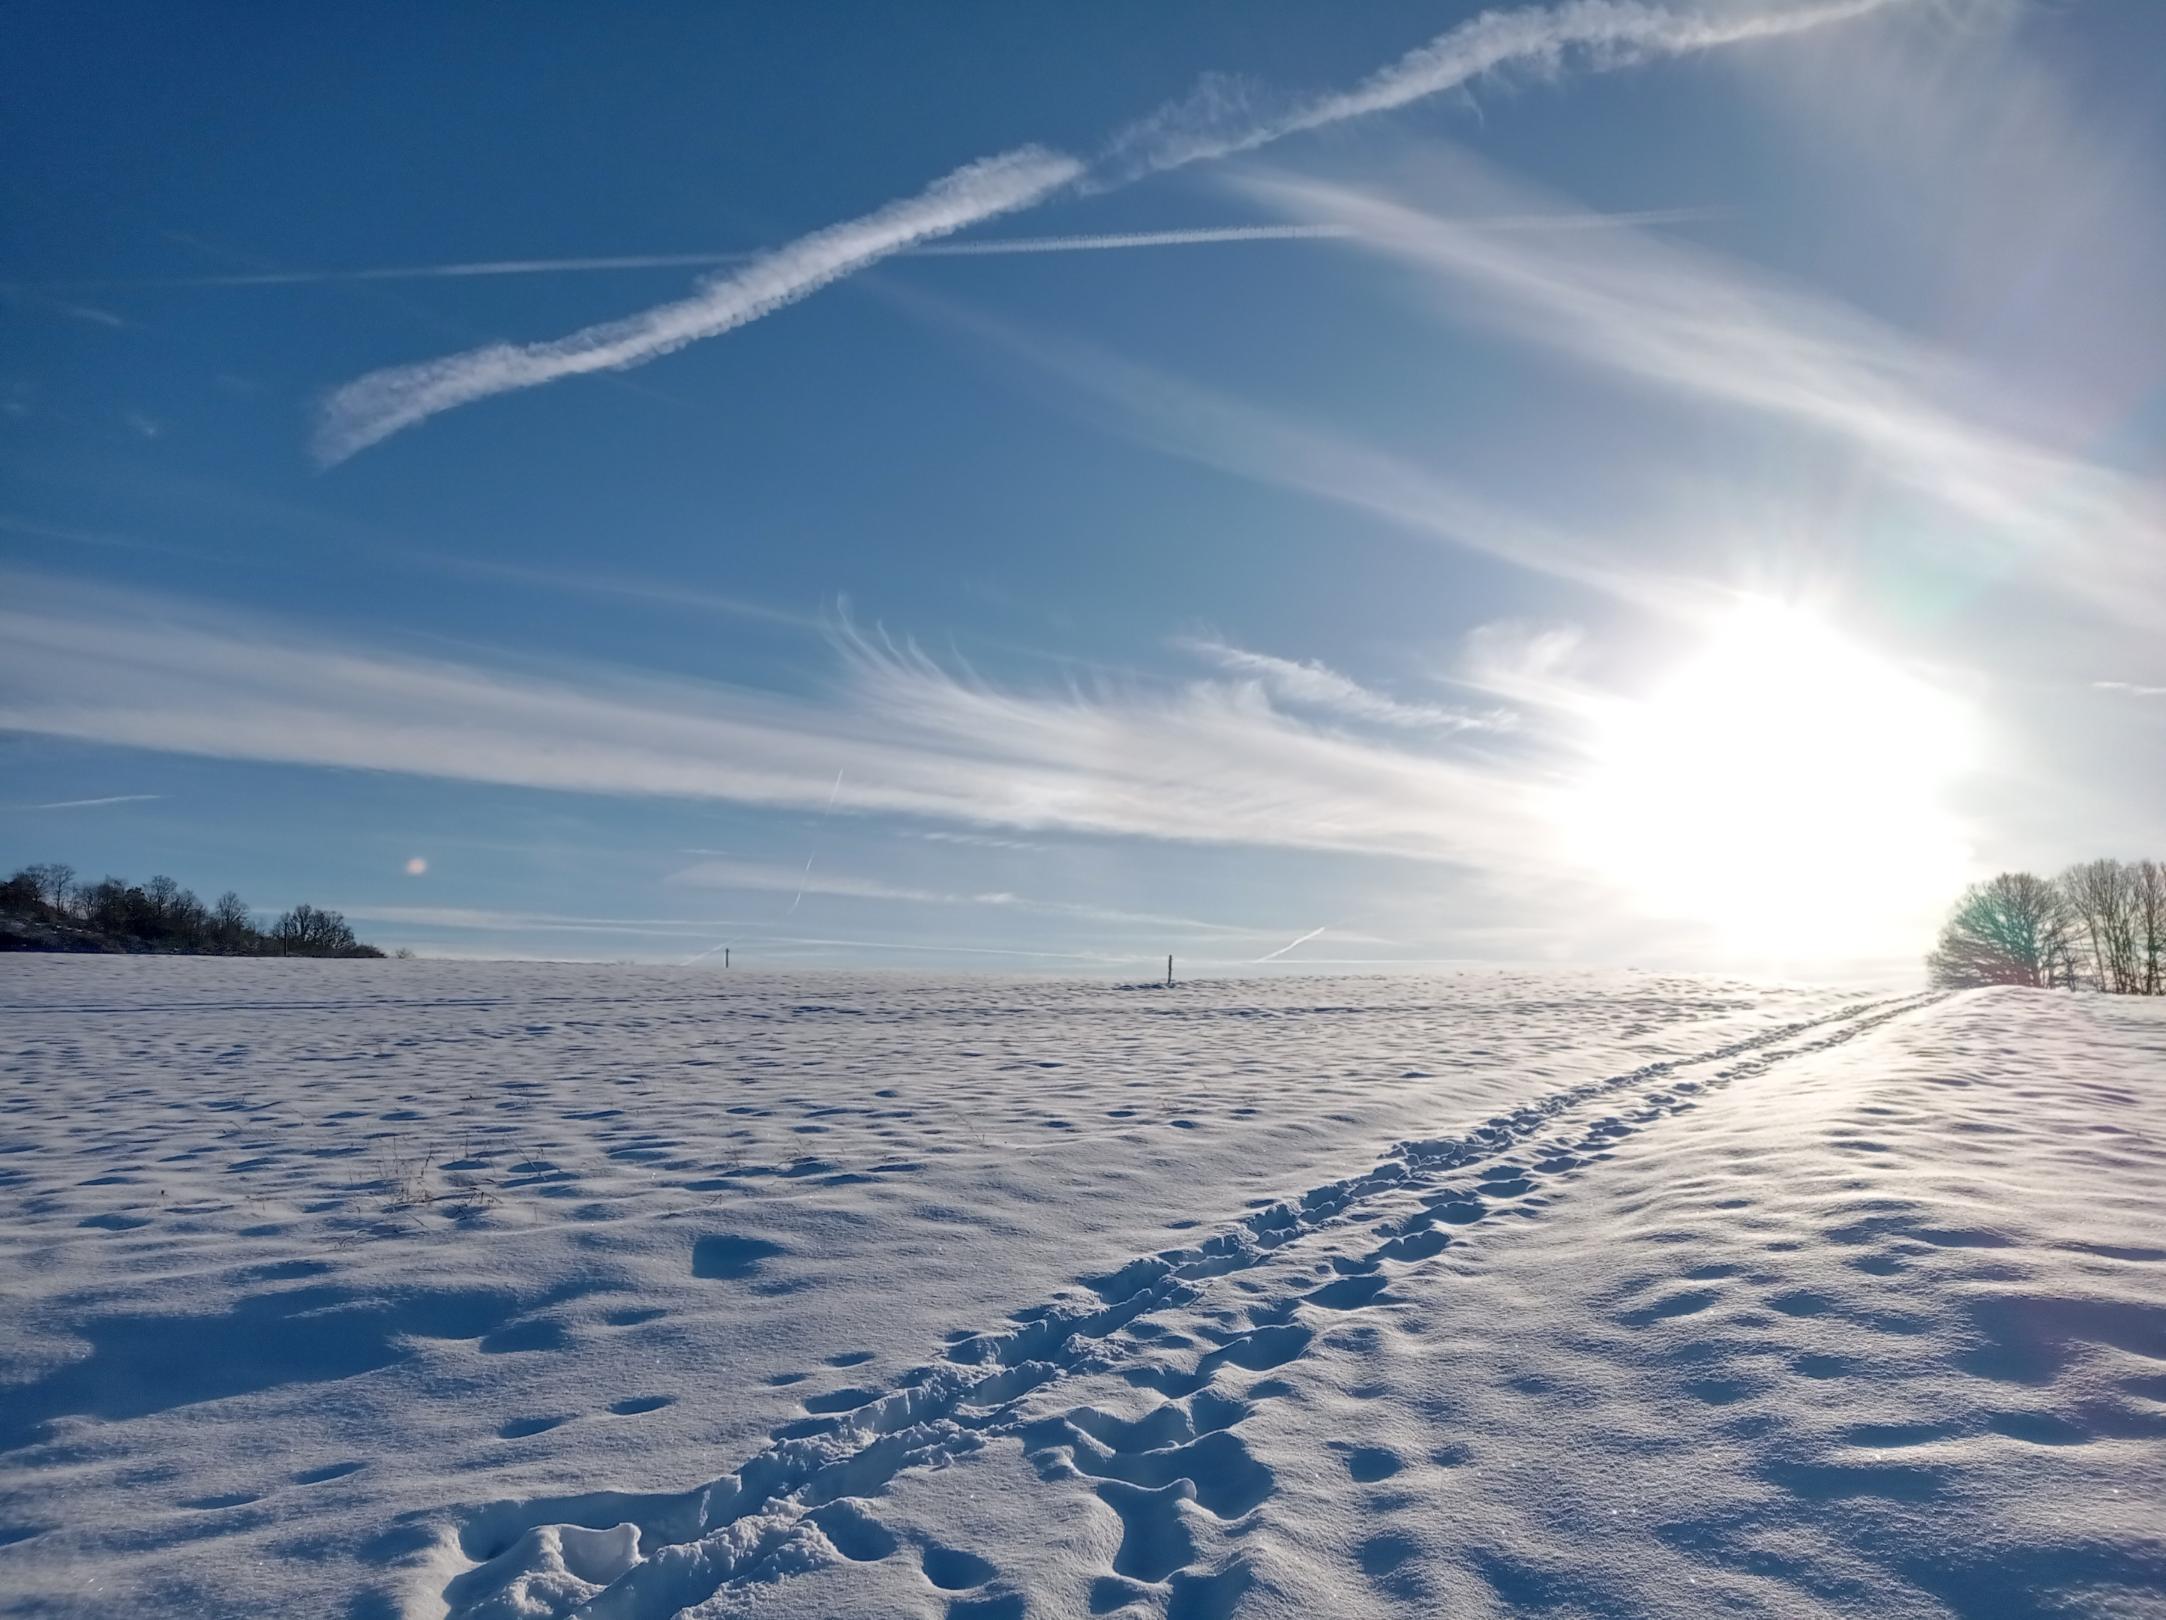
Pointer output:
1785, 787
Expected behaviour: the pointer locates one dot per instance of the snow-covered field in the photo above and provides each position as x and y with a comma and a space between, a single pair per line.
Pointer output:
406, 1288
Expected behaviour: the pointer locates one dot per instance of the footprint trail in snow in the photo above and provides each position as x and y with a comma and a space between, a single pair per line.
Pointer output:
810, 1497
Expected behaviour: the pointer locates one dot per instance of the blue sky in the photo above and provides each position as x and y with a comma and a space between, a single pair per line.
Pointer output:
1669, 485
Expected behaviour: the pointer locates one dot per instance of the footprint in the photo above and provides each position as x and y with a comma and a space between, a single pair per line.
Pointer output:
1383, 1553
953, 1570
856, 1534
1348, 1293
840, 1400
635, 1405
1368, 1464
544, 1334
850, 1358
1460, 1209
1801, 1302
1208, 1597
1154, 1541
1216, 1470
520, 1428
728, 1257
1414, 1246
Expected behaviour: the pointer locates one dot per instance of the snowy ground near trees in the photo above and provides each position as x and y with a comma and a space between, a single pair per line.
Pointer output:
406, 1288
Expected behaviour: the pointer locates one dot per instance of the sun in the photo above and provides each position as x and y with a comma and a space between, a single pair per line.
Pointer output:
1785, 787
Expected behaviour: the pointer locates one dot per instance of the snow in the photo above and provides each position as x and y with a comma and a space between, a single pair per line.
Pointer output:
415, 1288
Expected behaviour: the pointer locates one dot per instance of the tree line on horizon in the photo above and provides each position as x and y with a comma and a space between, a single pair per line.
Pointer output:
160, 915
2100, 925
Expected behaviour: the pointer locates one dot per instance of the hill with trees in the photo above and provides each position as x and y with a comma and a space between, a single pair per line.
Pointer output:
43, 908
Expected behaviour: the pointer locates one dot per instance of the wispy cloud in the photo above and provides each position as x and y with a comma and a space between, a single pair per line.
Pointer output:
10, 524
2130, 688
725, 872
1684, 320
467, 919
482, 920
377, 405
1310, 684
1202, 761
1527, 664
682, 598
939, 835
91, 804
1176, 416
1210, 124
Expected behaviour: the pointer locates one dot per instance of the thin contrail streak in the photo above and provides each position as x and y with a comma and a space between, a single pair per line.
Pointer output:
1290, 944
825, 811
88, 804
804, 878
991, 247
798, 898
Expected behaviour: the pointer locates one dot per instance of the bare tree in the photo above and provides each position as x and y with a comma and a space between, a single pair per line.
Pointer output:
163, 893
160, 915
2102, 896
308, 930
2012, 929
2150, 908
231, 925
53, 881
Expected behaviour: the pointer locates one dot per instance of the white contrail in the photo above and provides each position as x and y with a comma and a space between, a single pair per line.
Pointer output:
803, 880
377, 405
1273, 956
986, 247
797, 899
1211, 124
825, 811
90, 804
1199, 236
1216, 120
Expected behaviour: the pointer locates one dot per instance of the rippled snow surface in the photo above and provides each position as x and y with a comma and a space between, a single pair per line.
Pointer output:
369, 1289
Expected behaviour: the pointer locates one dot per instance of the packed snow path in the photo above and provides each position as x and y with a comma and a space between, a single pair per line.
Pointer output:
1824, 1304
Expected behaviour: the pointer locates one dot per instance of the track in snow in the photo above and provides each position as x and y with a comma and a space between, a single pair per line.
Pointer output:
799, 1503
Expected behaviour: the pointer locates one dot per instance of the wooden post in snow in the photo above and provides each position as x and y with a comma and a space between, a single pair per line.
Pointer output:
1169, 972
